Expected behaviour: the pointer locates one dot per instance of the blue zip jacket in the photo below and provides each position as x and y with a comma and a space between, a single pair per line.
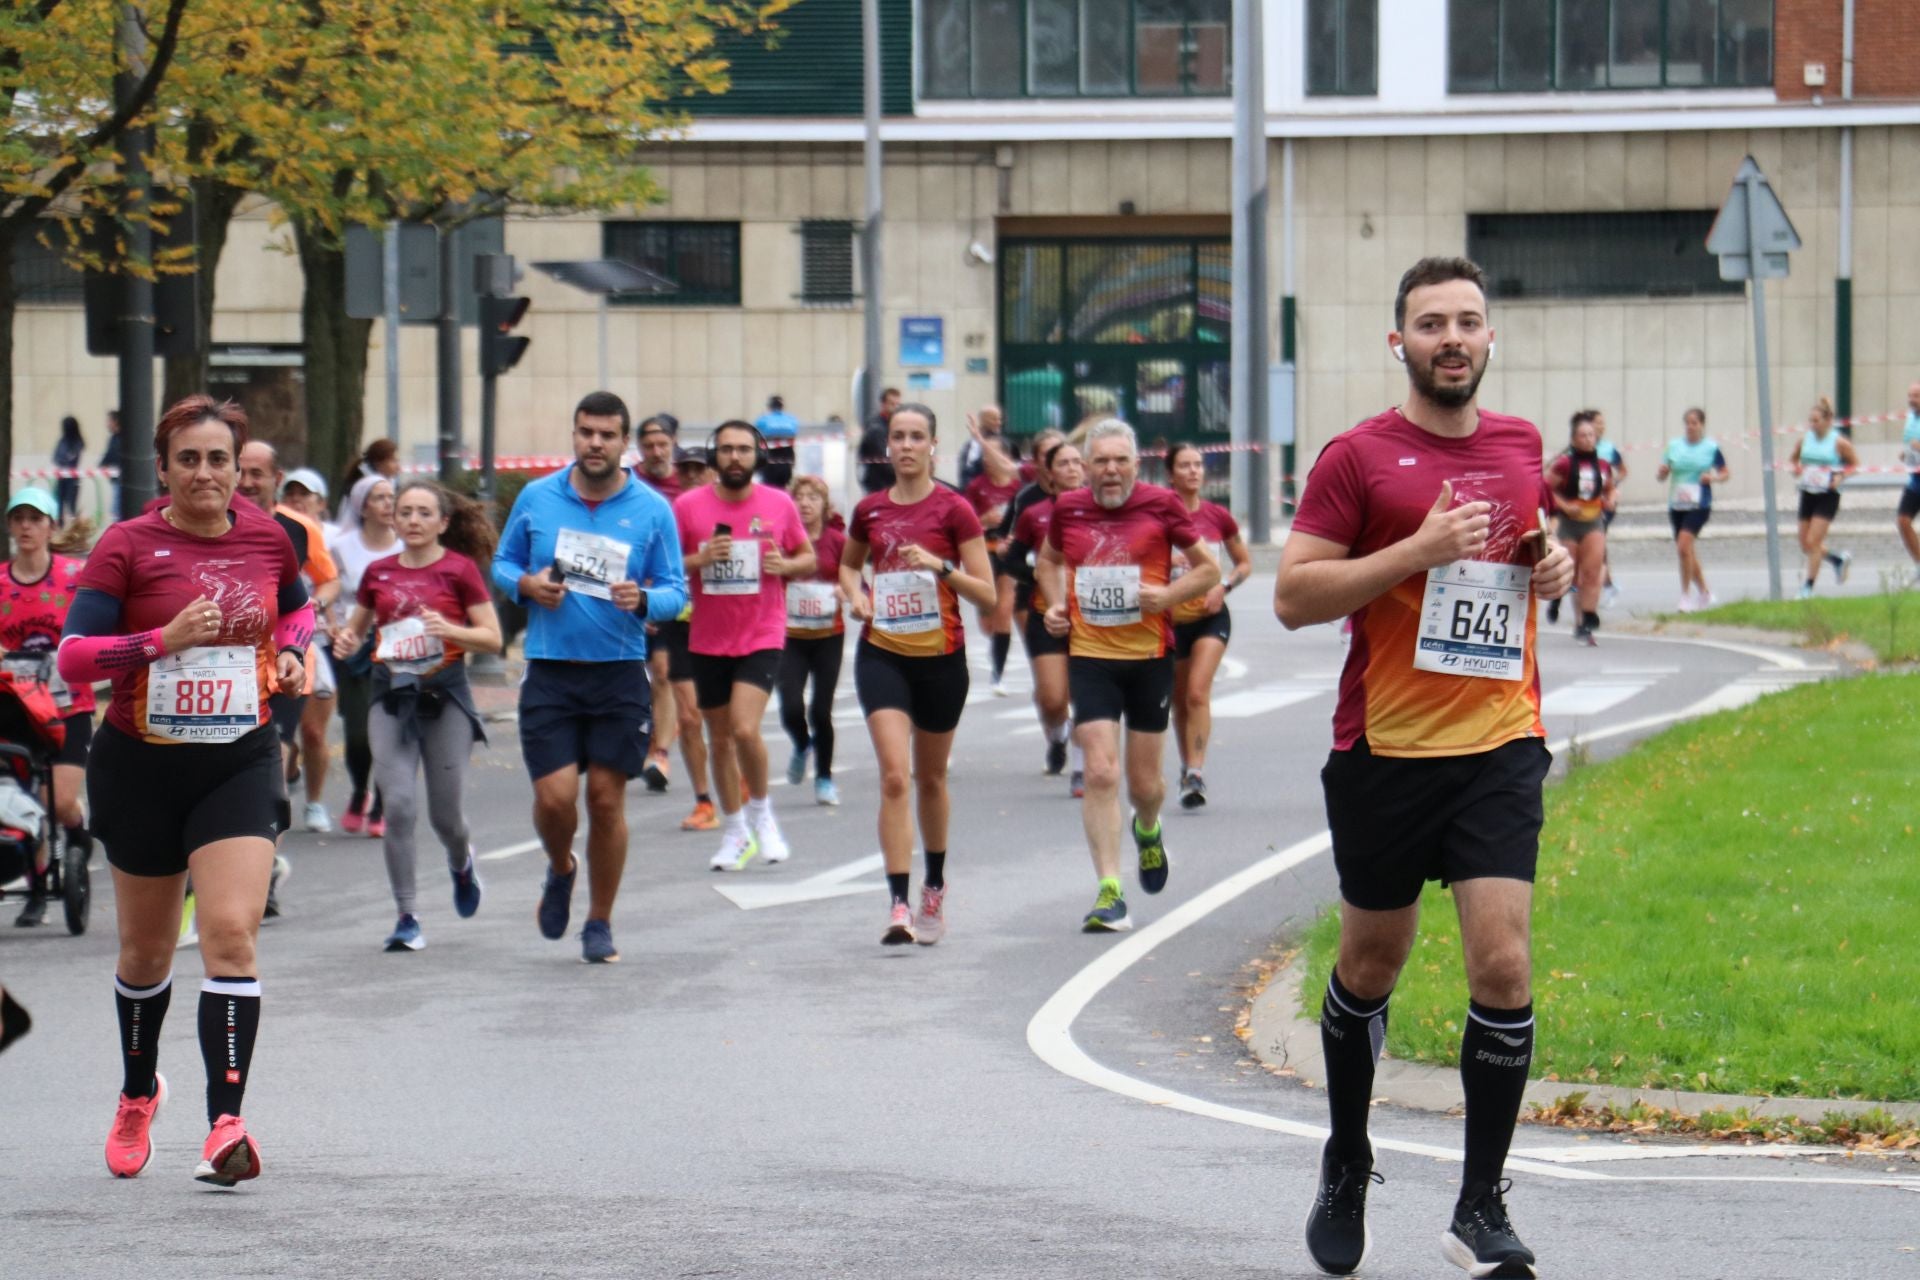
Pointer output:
585, 628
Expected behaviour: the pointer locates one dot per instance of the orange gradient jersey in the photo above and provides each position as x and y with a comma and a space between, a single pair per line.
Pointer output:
914, 612
1112, 552
1372, 486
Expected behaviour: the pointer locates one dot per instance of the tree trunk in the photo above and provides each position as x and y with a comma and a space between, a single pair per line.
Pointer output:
215, 202
8, 305
336, 355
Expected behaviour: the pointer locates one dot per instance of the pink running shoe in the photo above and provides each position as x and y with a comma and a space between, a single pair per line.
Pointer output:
130, 1141
899, 926
230, 1155
354, 820
376, 827
930, 921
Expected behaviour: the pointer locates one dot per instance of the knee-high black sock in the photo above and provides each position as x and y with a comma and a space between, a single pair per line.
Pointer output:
229, 1021
141, 1010
897, 885
1002, 645
1495, 1052
1352, 1034
936, 869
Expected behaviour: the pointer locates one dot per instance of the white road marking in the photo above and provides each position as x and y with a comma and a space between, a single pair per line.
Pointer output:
1257, 702
746, 892
1590, 696
1050, 1031
512, 850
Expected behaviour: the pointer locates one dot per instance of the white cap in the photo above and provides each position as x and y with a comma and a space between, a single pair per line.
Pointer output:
308, 479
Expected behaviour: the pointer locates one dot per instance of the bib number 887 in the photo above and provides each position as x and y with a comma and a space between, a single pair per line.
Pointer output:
1486, 623
202, 697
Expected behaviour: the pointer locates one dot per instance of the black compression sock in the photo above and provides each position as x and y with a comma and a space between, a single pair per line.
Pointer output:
936, 868
229, 1021
897, 885
1002, 645
1833, 559
1352, 1034
1590, 620
141, 1010
703, 797
80, 838
1495, 1051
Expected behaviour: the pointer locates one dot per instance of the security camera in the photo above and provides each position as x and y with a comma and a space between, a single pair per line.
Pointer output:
980, 253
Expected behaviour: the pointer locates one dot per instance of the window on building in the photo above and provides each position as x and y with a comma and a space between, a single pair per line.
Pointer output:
1540, 45
41, 275
1075, 48
1644, 254
1343, 47
701, 258
826, 260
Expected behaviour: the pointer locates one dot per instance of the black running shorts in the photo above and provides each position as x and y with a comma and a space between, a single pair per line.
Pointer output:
1398, 823
672, 636
714, 675
1910, 502
575, 714
79, 737
153, 804
932, 691
1820, 506
1136, 691
1218, 626
1040, 641
1689, 521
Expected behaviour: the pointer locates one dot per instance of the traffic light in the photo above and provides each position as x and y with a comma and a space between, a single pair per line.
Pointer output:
500, 347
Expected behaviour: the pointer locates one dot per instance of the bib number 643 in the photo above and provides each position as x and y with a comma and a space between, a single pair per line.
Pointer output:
1481, 621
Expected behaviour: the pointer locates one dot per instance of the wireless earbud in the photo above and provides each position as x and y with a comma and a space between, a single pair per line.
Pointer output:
1399, 352
1490, 347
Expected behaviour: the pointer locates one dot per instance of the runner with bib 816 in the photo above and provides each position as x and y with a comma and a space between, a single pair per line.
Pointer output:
1424, 524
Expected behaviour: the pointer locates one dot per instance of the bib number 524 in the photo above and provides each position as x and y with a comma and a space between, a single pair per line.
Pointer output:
1481, 621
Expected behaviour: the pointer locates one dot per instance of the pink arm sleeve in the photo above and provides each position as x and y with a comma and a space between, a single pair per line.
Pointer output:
295, 630
85, 659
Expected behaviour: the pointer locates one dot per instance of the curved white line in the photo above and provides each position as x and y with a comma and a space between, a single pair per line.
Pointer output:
1050, 1030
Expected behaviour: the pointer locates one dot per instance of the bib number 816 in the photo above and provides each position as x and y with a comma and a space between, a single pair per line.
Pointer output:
202, 697
1486, 623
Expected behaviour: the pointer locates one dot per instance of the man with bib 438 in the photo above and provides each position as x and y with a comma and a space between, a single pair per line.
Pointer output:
1106, 570
1424, 524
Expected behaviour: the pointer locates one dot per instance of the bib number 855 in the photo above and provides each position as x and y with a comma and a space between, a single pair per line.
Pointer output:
1486, 623
202, 697
904, 604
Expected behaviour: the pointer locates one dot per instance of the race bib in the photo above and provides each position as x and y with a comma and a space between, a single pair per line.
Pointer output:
204, 694
1109, 594
404, 646
1910, 458
812, 606
1473, 620
39, 668
1686, 497
591, 564
1816, 479
738, 574
1589, 483
906, 603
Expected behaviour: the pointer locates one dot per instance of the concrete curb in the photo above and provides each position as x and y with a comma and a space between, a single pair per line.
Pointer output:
1280, 1038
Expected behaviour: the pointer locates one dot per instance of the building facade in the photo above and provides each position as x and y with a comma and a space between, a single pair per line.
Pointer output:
1057, 231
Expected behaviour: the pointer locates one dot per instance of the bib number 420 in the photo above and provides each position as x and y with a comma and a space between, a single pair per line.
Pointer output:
1481, 621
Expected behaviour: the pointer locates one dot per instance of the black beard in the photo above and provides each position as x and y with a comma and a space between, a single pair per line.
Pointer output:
1448, 397
597, 469
736, 480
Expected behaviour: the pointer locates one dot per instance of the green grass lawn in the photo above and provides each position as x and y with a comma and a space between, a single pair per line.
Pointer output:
1888, 624
1731, 906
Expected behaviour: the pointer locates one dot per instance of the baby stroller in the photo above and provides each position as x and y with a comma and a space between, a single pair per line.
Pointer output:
31, 734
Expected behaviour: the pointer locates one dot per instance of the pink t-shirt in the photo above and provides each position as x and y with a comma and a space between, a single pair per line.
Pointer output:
738, 607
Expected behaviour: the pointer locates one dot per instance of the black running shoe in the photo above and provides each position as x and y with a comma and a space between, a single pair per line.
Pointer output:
1481, 1241
34, 913
1056, 758
1553, 610
1337, 1236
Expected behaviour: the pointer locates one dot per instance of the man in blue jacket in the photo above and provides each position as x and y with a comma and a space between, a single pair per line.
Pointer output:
575, 550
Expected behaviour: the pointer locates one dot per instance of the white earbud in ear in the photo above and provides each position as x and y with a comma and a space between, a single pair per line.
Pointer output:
1490, 348
1399, 352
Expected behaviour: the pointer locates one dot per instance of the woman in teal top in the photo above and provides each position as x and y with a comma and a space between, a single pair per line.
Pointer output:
1823, 459
1691, 466
1910, 496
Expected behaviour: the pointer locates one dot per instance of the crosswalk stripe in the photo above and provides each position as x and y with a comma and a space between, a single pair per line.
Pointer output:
1590, 696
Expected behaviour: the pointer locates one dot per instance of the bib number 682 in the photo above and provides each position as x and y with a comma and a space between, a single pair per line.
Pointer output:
1486, 623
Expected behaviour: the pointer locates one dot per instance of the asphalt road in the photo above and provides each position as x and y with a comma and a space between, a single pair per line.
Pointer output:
768, 1092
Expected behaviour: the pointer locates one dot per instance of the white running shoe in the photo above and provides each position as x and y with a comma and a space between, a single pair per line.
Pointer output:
317, 818
1841, 570
1806, 591
1609, 596
1686, 602
773, 845
999, 689
1705, 600
737, 849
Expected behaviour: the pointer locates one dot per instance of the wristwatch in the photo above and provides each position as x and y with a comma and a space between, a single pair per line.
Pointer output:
641, 608
948, 568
